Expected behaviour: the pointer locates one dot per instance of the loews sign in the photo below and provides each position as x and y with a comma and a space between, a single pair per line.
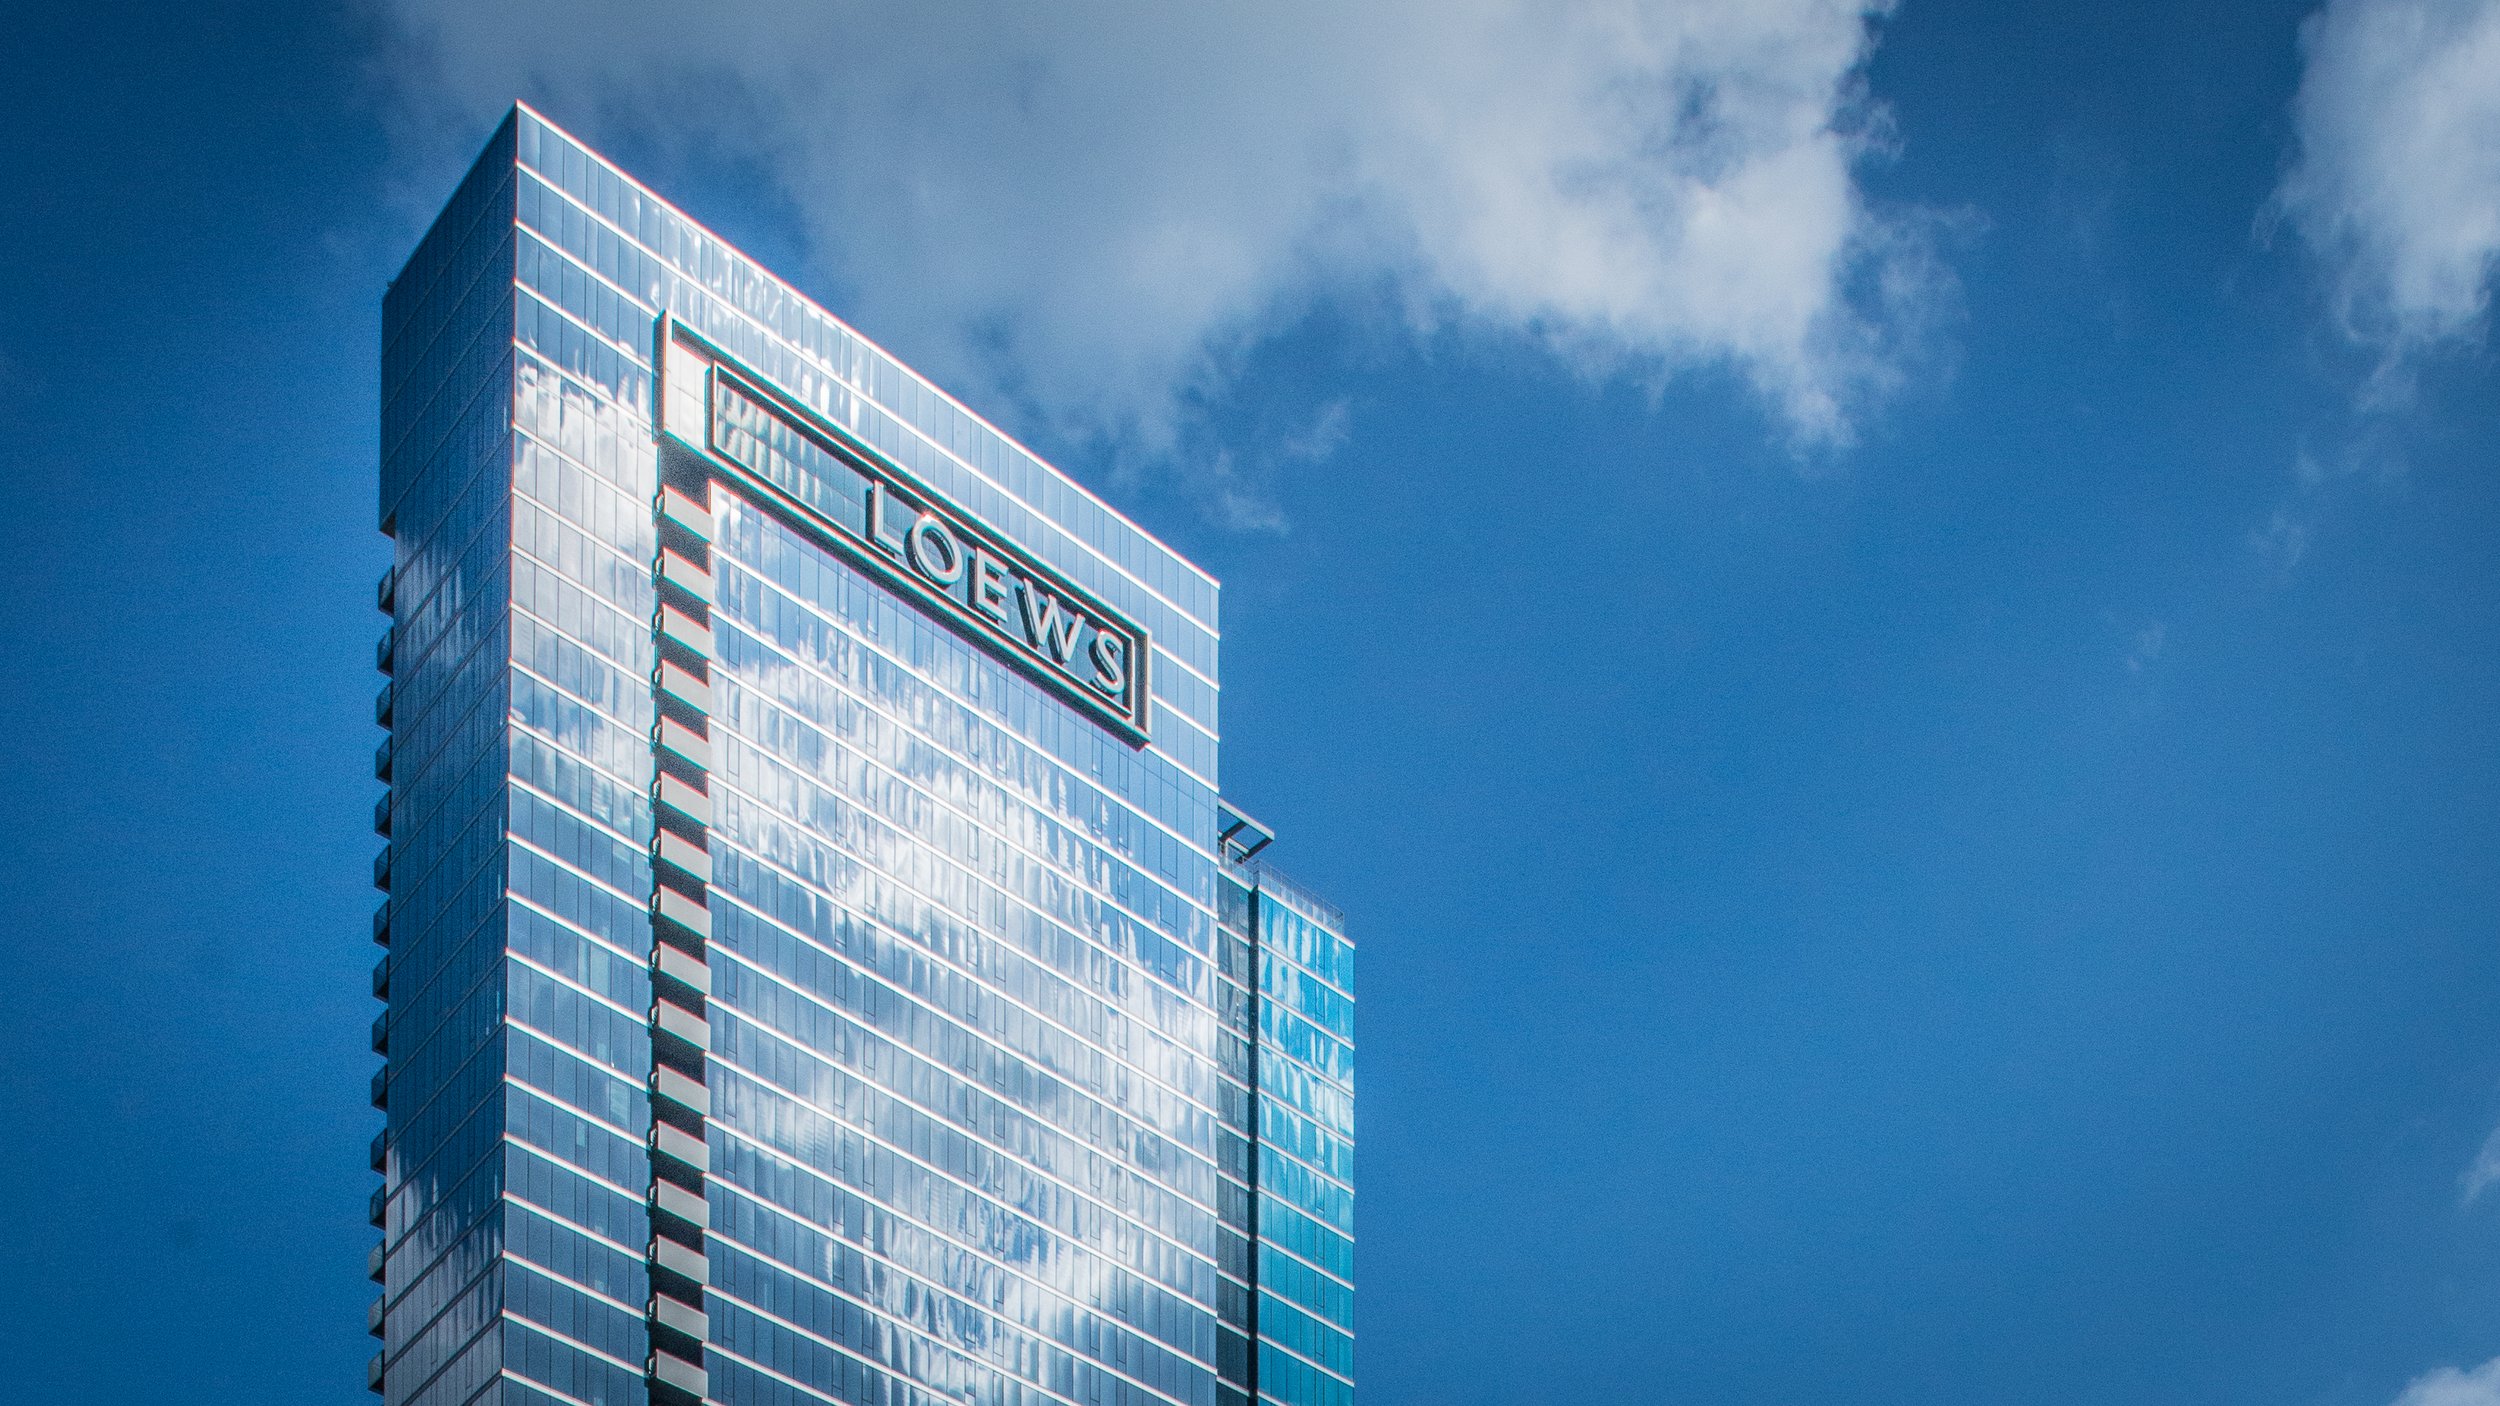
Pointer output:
917, 541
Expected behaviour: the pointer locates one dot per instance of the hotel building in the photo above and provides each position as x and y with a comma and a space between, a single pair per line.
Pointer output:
819, 964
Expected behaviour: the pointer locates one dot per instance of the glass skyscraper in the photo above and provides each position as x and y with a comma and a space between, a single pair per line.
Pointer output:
818, 962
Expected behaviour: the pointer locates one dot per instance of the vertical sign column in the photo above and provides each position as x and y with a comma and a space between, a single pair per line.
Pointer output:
681, 932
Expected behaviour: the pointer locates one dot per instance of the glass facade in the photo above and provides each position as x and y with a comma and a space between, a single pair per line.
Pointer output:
818, 962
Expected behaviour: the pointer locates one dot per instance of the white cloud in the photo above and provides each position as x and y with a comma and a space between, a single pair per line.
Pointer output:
2486, 1169
1324, 436
2146, 646
1096, 210
2397, 182
2450, 1387
2282, 541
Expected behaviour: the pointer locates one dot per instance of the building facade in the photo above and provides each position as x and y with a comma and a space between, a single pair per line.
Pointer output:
819, 964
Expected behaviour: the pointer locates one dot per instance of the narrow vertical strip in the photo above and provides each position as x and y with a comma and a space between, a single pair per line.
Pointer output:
681, 932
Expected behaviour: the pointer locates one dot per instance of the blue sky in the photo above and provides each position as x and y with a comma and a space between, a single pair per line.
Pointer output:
1885, 622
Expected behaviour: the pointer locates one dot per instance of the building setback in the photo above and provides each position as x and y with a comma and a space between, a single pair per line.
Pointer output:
818, 963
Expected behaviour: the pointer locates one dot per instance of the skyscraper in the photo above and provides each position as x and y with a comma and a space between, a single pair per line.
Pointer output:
819, 964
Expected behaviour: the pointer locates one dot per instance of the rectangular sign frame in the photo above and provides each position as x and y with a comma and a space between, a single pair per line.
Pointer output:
930, 550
